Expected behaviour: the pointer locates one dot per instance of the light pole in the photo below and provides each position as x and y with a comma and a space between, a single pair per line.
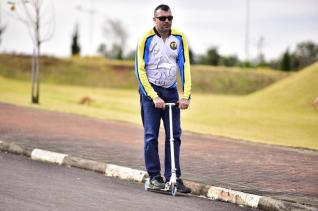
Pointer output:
247, 31
260, 46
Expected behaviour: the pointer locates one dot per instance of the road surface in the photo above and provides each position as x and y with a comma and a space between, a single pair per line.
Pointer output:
31, 185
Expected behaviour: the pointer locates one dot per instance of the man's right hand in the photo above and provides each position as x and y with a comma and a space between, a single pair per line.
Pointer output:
159, 103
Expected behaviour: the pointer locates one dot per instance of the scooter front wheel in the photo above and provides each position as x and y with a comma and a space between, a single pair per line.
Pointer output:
174, 190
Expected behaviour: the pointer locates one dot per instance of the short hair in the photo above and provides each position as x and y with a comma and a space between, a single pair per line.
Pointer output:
163, 7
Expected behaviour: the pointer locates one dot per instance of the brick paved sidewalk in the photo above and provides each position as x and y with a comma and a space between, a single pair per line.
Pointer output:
282, 173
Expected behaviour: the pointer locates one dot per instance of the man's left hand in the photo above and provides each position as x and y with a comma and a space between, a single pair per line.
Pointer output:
184, 103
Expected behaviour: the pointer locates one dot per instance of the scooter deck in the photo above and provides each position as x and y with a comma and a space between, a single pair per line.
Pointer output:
169, 192
159, 190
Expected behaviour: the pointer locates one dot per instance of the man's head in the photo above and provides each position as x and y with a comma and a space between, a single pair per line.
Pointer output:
163, 18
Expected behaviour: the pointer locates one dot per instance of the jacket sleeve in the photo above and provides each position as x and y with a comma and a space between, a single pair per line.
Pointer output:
140, 70
184, 67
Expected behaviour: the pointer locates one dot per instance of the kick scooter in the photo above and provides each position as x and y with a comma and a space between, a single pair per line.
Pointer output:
171, 185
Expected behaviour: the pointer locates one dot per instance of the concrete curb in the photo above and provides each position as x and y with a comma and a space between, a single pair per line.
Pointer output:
199, 189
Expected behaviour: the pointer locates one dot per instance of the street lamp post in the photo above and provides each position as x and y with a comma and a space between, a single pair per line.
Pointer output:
247, 31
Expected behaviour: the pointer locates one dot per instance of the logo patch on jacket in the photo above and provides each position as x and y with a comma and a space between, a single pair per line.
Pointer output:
173, 45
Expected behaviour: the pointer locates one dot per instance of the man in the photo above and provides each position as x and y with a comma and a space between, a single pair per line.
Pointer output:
161, 52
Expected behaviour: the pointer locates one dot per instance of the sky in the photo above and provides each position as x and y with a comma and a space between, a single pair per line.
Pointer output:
207, 23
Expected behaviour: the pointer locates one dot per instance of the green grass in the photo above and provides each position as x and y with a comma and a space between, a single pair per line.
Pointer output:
103, 73
232, 81
280, 114
106, 103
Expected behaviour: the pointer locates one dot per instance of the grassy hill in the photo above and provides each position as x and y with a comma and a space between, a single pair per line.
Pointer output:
279, 114
295, 92
99, 72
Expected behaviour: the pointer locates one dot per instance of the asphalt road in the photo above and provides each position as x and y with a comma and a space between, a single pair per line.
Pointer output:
31, 185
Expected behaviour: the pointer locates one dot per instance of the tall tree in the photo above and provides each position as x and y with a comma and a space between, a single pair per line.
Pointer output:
75, 47
285, 62
38, 16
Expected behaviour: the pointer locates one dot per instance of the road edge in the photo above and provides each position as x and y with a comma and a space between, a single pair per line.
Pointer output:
125, 173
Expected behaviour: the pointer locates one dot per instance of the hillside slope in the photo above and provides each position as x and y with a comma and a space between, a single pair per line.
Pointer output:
104, 73
292, 93
279, 114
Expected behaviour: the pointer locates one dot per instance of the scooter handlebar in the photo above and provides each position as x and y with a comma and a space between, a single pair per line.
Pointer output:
172, 104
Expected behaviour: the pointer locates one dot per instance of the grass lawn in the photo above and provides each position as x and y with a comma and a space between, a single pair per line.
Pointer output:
280, 114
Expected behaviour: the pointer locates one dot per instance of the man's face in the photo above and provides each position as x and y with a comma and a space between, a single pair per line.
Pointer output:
163, 25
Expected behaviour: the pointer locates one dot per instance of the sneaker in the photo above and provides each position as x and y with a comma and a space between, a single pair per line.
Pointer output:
181, 187
157, 183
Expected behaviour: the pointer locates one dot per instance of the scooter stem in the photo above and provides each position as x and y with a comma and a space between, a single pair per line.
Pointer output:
173, 178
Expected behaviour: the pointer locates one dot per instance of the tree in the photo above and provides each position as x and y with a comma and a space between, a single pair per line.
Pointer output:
75, 48
2, 27
306, 53
115, 32
117, 52
286, 61
102, 49
211, 58
229, 61
38, 16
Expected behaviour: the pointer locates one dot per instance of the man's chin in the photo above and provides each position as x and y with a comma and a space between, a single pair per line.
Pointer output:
166, 29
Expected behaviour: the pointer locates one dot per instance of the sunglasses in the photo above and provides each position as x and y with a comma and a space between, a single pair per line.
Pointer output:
164, 18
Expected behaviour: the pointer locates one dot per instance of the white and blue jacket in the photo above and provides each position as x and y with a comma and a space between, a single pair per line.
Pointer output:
158, 62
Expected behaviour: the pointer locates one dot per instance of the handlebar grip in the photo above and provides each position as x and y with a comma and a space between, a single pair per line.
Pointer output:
173, 104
